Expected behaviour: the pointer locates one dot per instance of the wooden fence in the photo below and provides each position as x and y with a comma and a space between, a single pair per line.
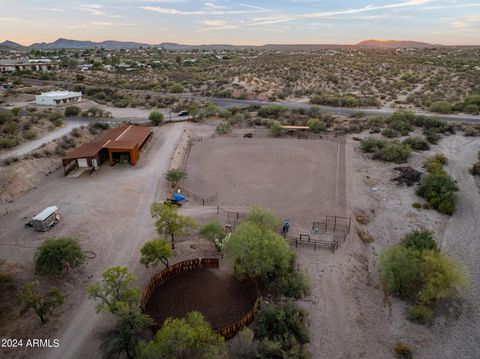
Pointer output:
231, 215
192, 264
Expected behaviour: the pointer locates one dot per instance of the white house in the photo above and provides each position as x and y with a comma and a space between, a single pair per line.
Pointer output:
58, 98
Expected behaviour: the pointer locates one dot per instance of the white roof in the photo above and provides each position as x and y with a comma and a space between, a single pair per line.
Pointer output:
60, 94
47, 212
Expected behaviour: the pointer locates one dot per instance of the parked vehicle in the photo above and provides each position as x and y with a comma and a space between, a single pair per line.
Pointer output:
45, 220
183, 113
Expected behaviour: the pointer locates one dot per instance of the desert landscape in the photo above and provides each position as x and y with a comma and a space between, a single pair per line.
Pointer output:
239, 189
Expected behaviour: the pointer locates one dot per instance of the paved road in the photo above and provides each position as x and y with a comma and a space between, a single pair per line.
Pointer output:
28, 147
229, 103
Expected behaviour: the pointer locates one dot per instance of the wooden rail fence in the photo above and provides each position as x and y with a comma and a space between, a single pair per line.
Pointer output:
304, 240
192, 264
196, 197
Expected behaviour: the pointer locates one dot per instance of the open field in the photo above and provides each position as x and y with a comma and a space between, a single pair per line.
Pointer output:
295, 179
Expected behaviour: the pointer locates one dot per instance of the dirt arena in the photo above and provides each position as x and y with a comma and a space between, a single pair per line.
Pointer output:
216, 294
296, 179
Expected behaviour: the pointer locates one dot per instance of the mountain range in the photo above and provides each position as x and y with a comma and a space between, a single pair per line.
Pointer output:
62, 43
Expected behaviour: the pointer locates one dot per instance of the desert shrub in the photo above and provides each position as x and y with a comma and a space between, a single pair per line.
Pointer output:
8, 142
432, 136
281, 330
420, 313
76, 132
472, 109
417, 205
441, 107
56, 256
403, 351
156, 118
316, 125
390, 133
72, 111
30, 134
292, 284
471, 132
176, 88
394, 152
475, 169
420, 240
376, 123
56, 118
439, 191
272, 111
371, 144
435, 163
223, 128
417, 143
402, 127
276, 129
16, 111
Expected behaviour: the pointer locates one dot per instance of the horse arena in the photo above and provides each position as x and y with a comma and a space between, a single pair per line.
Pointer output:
299, 180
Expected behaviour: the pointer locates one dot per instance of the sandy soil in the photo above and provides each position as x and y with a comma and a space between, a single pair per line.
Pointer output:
217, 294
295, 179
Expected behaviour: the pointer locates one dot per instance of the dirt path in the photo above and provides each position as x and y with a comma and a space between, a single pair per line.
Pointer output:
461, 338
77, 336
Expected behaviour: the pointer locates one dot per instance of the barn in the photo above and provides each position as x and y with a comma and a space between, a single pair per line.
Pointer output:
121, 144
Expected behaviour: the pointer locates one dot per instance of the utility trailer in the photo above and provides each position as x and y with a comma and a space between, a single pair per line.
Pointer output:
45, 220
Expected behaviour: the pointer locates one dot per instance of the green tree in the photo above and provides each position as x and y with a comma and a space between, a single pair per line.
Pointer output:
114, 291
156, 118
265, 220
154, 252
124, 338
191, 337
175, 175
401, 270
169, 223
43, 305
72, 111
442, 275
276, 129
57, 256
258, 253
212, 231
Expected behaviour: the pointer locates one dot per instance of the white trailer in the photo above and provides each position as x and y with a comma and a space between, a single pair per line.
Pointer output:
46, 219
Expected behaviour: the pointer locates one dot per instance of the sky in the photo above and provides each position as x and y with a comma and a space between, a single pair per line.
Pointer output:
244, 22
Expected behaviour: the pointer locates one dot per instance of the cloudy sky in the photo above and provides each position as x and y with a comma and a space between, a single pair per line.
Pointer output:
241, 22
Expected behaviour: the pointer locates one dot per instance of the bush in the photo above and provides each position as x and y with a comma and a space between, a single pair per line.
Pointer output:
435, 164
156, 118
272, 111
213, 232
390, 133
56, 256
403, 351
420, 313
316, 125
176, 88
223, 128
30, 134
420, 240
441, 107
72, 111
472, 109
56, 118
417, 143
371, 144
394, 152
276, 129
8, 142
417, 205
439, 191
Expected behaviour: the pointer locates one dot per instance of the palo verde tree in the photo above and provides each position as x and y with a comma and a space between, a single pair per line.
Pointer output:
191, 337
154, 252
118, 297
169, 223
57, 256
114, 291
42, 304
176, 175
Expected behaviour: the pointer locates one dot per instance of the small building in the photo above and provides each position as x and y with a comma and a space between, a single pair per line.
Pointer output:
58, 98
25, 64
122, 144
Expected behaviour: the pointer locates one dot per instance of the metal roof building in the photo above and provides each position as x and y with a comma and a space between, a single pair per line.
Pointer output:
122, 144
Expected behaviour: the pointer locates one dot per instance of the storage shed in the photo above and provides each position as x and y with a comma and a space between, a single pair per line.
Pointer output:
122, 144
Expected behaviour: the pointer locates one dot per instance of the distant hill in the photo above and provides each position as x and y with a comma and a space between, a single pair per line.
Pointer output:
10, 45
62, 43
78, 44
394, 44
